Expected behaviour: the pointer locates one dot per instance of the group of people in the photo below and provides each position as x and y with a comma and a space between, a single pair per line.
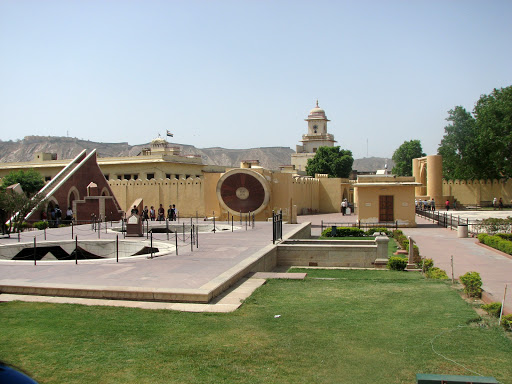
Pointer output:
497, 203
425, 205
430, 205
159, 214
54, 216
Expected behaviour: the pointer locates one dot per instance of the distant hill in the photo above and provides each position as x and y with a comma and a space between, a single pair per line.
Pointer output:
68, 148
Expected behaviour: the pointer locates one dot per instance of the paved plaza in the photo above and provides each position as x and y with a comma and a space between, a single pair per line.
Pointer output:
222, 255
219, 258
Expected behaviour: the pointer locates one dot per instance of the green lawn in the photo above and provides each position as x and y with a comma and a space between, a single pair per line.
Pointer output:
357, 327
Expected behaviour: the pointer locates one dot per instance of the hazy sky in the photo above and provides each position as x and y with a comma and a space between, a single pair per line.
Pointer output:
242, 74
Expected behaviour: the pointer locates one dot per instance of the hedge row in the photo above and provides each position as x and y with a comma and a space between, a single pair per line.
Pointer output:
353, 232
497, 242
505, 236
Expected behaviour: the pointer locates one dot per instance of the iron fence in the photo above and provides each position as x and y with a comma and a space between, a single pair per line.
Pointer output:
358, 224
449, 220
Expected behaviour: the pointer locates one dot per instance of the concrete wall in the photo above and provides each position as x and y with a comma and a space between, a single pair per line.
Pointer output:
328, 255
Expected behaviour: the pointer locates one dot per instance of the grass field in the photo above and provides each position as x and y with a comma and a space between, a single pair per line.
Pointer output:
337, 326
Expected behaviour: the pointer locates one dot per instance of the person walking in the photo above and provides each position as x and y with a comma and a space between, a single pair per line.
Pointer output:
161, 213
500, 204
447, 204
174, 212
433, 204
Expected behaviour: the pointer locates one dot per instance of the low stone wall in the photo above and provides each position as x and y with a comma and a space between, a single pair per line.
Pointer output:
333, 253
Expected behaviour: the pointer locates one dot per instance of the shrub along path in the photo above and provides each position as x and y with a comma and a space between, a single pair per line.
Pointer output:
440, 244
355, 327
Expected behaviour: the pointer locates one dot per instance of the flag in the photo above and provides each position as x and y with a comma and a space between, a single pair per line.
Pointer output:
169, 133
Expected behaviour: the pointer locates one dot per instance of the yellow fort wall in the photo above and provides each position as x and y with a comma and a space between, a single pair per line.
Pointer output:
473, 192
305, 194
186, 194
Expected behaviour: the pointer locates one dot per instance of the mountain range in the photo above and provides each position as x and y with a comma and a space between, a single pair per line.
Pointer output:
67, 148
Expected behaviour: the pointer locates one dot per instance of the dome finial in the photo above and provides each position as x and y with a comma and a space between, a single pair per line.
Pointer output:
317, 103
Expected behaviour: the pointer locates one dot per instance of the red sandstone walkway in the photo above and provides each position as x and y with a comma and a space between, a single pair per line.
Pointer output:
440, 244
218, 255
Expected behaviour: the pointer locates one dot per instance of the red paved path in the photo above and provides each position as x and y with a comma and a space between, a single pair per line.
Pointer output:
440, 244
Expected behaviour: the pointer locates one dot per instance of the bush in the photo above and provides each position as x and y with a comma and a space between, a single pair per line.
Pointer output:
436, 273
498, 242
505, 236
506, 321
492, 309
344, 232
397, 263
384, 230
397, 233
472, 284
495, 225
40, 225
425, 264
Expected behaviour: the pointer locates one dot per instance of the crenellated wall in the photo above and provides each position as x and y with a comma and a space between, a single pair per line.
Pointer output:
186, 194
473, 192
199, 194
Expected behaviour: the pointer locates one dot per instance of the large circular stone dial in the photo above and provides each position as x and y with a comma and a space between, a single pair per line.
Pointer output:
242, 190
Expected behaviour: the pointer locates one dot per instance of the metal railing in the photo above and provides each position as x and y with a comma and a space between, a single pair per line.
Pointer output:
358, 224
449, 220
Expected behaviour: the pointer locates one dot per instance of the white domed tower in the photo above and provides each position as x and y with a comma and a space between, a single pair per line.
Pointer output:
316, 137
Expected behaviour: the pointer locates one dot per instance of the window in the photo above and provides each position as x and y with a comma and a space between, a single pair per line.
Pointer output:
127, 177
106, 177
119, 177
314, 150
47, 178
177, 177
167, 175
187, 176
135, 177
150, 176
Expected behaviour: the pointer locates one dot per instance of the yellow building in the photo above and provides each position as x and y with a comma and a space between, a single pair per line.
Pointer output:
381, 199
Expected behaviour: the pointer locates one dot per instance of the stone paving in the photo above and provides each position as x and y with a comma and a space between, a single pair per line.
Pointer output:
222, 251
440, 244
219, 256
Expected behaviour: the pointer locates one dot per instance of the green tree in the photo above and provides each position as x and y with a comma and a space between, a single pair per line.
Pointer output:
31, 181
14, 207
333, 161
403, 157
479, 145
458, 146
493, 114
